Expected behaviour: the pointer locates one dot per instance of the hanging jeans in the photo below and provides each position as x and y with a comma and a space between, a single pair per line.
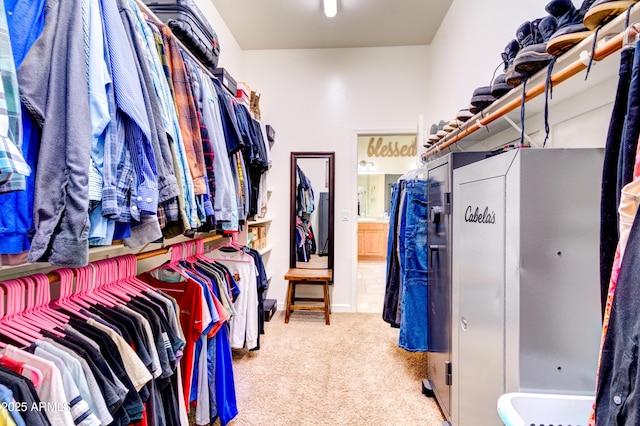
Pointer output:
413, 261
392, 288
610, 193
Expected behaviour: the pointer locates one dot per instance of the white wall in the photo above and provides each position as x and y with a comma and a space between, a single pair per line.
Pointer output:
318, 100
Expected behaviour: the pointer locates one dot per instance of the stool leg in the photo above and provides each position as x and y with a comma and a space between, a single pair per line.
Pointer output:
287, 310
326, 302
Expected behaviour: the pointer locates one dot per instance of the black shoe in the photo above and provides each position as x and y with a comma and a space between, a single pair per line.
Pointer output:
464, 115
533, 57
603, 11
499, 87
571, 29
512, 77
482, 98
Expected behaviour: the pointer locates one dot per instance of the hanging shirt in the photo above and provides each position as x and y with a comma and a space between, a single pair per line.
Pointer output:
50, 389
26, 21
224, 202
244, 325
54, 87
78, 407
90, 392
6, 396
188, 294
13, 167
132, 145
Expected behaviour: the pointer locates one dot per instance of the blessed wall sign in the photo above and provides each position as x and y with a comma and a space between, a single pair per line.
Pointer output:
379, 147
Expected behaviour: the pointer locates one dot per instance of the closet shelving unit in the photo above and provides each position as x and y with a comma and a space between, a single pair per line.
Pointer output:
266, 221
148, 251
570, 70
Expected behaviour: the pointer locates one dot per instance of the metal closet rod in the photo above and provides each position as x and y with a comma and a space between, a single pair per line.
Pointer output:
609, 47
53, 277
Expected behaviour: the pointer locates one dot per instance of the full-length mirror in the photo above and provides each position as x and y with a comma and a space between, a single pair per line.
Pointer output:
312, 210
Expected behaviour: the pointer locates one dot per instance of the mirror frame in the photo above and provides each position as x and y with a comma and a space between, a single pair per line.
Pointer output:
330, 156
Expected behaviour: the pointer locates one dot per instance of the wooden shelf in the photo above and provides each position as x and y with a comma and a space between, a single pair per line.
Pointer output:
265, 250
259, 221
105, 252
570, 64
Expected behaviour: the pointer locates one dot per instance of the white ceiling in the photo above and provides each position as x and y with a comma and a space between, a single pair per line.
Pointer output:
301, 24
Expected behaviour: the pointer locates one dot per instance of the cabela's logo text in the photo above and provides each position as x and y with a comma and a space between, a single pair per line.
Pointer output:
475, 216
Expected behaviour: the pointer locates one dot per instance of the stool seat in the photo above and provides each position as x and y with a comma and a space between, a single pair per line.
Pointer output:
298, 276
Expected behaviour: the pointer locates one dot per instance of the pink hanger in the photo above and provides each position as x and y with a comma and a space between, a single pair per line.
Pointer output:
92, 290
119, 272
12, 319
4, 329
116, 280
43, 289
66, 291
30, 314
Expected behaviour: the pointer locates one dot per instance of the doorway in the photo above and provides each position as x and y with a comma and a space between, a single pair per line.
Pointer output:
382, 159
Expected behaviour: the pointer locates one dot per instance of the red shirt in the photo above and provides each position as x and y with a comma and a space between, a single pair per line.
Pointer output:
188, 294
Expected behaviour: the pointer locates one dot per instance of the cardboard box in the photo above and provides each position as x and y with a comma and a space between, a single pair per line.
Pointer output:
226, 80
262, 231
260, 244
254, 233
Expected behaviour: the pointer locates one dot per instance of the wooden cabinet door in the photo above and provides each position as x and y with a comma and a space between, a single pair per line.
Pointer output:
373, 243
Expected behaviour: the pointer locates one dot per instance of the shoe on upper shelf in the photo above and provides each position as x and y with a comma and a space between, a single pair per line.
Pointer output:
603, 11
482, 97
571, 29
455, 123
512, 77
433, 133
474, 110
464, 115
448, 128
499, 87
533, 56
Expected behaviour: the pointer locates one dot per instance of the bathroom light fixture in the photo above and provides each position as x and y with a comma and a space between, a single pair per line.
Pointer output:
330, 8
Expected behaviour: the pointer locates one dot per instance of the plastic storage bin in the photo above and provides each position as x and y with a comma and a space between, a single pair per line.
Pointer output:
526, 409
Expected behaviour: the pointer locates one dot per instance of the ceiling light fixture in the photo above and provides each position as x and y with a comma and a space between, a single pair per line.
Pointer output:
330, 8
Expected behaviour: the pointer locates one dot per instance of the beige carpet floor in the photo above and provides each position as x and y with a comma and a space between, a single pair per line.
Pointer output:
348, 373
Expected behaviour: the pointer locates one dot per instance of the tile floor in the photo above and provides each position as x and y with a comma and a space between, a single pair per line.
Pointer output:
371, 283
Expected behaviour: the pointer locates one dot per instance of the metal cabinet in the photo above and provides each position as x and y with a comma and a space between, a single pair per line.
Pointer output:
440, 175
525, 281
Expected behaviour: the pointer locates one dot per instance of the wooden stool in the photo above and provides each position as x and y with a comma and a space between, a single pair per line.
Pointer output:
308, 277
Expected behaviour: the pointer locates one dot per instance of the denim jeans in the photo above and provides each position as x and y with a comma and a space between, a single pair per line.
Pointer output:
392, 287
617, 400
413, 260
610, 192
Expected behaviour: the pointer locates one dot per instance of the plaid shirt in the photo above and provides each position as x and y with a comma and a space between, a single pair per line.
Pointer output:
13, 167
187, 117
195, 78
187, 203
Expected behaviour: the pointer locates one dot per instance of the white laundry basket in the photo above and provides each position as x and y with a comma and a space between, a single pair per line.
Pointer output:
526, 409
